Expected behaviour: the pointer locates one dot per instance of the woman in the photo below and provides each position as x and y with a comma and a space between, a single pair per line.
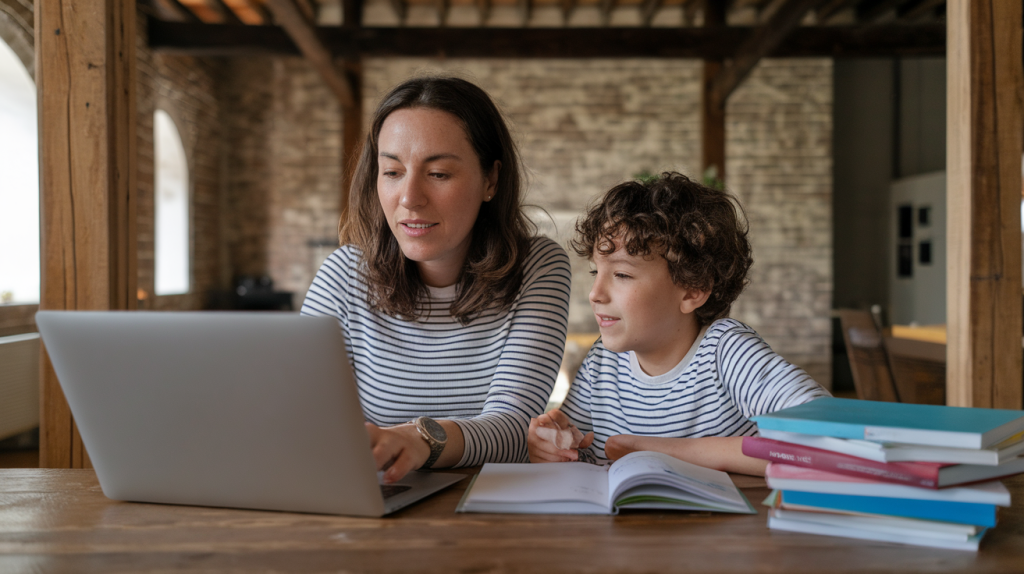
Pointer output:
454, 316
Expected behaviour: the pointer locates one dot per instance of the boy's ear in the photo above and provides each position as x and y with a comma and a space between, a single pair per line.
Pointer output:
692, 300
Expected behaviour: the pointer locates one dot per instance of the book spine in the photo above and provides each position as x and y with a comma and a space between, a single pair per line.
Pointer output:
925, 476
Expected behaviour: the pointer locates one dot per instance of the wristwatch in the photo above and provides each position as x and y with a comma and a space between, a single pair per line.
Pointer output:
434, 434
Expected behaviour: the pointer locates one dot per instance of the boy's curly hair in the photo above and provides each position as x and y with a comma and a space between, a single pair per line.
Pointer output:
701, 232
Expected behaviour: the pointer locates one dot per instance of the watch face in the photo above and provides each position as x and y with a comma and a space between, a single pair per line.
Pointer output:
434, 429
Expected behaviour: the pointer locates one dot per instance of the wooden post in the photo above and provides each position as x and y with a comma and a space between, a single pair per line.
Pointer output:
712, 123
352, 133
85, 74
983, 157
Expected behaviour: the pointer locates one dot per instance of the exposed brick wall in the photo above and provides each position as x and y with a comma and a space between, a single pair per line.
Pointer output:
779, 163
186, 88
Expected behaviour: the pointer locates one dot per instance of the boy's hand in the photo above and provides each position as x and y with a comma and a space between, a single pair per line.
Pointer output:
620, 445
551, 425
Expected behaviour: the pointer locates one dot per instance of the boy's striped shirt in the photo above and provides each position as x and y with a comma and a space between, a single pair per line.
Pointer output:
492, 374
729, 375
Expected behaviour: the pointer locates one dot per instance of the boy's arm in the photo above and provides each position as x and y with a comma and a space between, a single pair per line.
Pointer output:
718, 452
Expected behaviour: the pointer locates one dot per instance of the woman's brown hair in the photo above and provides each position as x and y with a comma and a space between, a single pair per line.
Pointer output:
493, 271
699, 230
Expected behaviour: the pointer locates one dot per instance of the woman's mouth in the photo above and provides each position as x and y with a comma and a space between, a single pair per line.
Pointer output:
416, 228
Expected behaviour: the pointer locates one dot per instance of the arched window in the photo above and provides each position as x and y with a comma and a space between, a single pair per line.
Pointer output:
19, 188
171, 242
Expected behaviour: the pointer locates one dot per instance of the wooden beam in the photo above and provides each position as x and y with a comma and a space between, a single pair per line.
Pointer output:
266, 18
225, 12
352, 134
984, 143
525, 11
690, 9
765, 38
302, 32
712, 123
648, 9
691, 42
85, 79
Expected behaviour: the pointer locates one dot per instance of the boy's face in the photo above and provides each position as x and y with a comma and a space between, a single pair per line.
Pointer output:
638, 307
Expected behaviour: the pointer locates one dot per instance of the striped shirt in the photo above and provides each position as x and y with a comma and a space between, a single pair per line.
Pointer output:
730, 376
490, 375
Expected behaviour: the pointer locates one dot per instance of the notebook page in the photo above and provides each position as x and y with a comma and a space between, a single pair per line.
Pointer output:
551, 482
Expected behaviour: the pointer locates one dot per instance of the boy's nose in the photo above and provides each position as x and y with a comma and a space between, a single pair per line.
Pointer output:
597, 294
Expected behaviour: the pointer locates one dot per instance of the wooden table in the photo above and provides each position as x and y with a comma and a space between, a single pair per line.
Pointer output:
59, 521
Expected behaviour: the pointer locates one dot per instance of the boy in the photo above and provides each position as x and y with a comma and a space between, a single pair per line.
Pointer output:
670, 372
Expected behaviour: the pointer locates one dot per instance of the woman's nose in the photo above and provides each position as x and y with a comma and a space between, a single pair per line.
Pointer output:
412, 194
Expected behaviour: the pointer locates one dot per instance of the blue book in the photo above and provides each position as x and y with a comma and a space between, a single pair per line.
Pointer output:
936, 425
941, 510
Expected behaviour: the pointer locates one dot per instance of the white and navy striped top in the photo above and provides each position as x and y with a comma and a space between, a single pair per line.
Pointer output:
730, 376
491, 375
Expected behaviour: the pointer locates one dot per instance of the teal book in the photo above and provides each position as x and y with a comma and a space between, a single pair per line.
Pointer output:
941, 510
936, 425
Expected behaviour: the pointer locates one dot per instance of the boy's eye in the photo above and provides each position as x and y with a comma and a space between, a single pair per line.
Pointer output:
593, 272
437, 175
622, 276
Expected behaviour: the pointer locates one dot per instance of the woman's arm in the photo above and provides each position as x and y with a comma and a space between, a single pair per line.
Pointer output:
528, 364
718, 452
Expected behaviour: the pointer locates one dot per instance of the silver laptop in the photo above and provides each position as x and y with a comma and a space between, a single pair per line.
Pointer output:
241, 410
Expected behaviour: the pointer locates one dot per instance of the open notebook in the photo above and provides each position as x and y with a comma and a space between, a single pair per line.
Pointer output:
637, 480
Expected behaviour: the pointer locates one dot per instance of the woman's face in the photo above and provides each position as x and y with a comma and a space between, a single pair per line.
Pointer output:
431, 186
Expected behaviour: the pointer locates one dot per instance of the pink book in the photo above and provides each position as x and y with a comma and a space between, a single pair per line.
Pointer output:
920, 474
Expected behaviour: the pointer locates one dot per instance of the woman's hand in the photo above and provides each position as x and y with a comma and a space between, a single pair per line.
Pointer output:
542, 449
397, 450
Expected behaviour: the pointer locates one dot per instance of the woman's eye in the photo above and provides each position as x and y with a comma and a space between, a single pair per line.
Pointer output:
593, 272
622, 276
436, 175
389, 173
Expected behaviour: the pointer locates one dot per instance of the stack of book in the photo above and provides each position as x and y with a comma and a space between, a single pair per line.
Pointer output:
916, 474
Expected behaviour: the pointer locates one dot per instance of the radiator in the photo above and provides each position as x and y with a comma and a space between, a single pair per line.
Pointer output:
19, 384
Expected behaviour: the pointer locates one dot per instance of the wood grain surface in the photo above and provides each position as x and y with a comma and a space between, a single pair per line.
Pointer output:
59, 521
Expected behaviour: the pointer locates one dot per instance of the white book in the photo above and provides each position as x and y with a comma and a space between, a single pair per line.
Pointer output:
899, 452
637, 480
891, 524
789, 477
790, 524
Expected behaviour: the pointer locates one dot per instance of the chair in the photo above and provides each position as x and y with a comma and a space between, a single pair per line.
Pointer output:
869, 362
918, 370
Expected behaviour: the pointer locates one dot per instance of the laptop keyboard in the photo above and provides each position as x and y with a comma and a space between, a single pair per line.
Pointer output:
389, 490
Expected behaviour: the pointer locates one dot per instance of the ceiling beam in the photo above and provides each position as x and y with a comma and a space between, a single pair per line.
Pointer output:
695, 42
761, 43
648, 9
304, 35
690, 9
227, 15
261, 10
